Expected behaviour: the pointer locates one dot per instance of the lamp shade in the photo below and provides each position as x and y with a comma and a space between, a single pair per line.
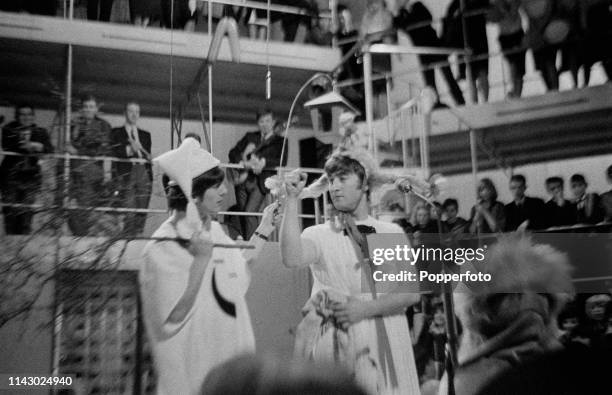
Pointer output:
331, 99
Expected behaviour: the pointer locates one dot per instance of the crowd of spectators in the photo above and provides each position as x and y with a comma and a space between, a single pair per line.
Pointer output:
500, 331
524, 212
127, 184
573, 30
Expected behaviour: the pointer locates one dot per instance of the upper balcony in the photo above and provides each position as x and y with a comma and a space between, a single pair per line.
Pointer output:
123, 62
156, 67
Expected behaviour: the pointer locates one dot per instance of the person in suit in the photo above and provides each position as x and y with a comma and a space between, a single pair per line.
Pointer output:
133, 179
255, 151
589, 208
523, 208
559, 211
20, 177
606, 198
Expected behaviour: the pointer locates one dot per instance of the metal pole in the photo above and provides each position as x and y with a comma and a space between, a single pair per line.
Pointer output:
335, 26
367, 76
468, 55
389, 111
474, 157
67, 124
210, 80
425, 132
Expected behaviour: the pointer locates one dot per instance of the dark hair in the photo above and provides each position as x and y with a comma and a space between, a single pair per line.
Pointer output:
609, 172
175, 196
554, 180
211, 178
250, 374
578, 178
88, 97
450, 202
486, 182
23, 105
195, 136
519, 178
340, 164
263, 111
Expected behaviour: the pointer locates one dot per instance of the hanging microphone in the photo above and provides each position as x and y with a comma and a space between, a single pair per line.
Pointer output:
268, 85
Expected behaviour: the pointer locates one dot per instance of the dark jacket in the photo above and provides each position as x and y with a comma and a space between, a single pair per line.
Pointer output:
560, 215
18, 166
532, 209
270, 149
119, 141
591, 212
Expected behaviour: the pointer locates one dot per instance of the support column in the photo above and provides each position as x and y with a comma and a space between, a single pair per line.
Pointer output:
369, 93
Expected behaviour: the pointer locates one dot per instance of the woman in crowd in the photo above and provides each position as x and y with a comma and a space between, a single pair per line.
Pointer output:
193, 294
488, 214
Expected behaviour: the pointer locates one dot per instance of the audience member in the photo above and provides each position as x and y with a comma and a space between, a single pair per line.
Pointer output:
588, 205
570, 15
559, 211
523, 208
453, 224
133, 180
255, 151
268, 375
90, 136
143, 12
511, 37
416, 20
543, 45
347, 36
595, 323
598, 34
569, 321
606, 198
421, 220
475, 25
377, 27
511, 319
180, 15
20, 177
573, 370
293, 24
488, 215
99, 10
40, 7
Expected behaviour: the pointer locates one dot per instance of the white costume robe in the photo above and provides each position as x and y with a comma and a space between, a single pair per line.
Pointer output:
217, 327
336, 272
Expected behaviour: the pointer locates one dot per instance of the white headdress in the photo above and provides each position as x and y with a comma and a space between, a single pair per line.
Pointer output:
182, 165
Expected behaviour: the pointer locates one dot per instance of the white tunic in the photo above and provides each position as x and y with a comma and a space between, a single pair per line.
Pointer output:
336, 269
217, 327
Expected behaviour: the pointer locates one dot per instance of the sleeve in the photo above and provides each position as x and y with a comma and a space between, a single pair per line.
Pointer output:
272, 153
146, 141
10, 140
500, 217
164, 278
310, 234
106, 135
117, 149
235, 154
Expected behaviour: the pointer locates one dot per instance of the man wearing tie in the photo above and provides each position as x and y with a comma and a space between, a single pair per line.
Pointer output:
133, 179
